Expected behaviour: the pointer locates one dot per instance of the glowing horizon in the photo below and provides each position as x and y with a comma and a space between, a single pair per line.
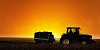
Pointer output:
19, 18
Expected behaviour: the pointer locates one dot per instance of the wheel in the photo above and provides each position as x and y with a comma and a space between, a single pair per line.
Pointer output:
92, 42
65, 41
84, 42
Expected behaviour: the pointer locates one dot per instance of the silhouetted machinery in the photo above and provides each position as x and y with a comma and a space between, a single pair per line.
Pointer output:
44, 37
73, 36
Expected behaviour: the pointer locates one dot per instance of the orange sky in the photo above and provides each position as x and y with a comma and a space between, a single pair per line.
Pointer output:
21, 18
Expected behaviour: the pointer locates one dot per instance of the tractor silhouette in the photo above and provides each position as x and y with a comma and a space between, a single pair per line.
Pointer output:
73, 35
44, 37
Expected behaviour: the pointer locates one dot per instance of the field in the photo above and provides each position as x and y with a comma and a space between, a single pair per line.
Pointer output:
29, 45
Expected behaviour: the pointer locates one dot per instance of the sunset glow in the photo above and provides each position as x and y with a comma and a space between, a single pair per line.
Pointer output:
22, 18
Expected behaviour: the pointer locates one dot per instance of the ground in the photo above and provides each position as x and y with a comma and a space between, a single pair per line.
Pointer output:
9, 45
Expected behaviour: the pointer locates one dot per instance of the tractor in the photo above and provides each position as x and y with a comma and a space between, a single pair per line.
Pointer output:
73, 36
44, 37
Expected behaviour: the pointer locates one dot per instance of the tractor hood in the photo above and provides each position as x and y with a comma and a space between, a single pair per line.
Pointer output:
85, 35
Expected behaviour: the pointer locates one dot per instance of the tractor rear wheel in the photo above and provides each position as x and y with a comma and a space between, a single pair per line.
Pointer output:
84, 42
65, 41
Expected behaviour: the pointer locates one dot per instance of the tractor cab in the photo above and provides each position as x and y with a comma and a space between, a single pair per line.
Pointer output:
73, 30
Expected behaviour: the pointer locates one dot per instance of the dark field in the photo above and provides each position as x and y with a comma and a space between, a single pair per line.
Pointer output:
29, 45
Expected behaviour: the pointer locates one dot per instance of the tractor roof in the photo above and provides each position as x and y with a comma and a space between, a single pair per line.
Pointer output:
73, 27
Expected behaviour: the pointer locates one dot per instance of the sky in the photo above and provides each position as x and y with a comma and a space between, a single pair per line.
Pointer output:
22, 18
